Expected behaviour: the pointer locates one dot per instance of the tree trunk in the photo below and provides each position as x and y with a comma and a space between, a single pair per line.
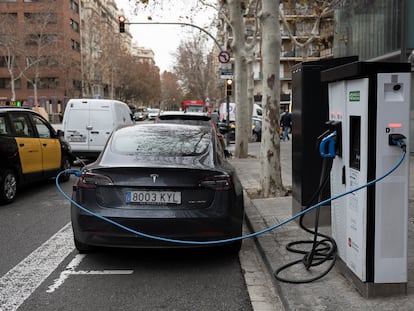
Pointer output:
270, 168
238, 48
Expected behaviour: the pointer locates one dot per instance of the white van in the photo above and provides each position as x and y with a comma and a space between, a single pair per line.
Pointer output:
87, 124
256, 113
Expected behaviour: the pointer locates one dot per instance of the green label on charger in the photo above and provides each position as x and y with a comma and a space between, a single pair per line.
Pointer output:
354, 96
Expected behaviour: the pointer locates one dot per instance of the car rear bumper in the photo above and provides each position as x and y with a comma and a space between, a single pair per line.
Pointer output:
96, 232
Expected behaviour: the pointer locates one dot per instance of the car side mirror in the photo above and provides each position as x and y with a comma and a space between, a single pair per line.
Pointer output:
60, 133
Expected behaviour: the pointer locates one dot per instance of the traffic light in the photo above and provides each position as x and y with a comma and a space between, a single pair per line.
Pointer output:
229, 87
121, 21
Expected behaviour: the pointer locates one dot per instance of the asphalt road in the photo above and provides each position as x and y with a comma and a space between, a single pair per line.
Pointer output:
41, 270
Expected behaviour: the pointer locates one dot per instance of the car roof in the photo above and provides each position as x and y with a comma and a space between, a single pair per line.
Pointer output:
12, 108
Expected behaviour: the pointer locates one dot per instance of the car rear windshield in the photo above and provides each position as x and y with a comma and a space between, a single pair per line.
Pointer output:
162, 141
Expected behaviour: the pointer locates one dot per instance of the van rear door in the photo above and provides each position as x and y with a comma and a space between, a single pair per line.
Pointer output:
101, 124
76, 122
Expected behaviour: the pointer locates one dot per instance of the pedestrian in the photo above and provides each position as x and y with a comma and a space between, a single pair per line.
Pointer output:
286, 123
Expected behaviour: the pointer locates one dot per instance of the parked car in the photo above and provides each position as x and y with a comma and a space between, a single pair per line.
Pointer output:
87, 124
31, 150
180, 117
153, 113
140, 114
231, 129
167, 180
256, 129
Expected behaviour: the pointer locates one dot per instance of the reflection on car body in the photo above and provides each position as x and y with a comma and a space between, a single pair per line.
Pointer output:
191, 118
167, 180
31, 150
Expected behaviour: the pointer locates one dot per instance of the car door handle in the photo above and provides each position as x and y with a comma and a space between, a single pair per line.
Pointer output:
21, 145
44, 145
94, 132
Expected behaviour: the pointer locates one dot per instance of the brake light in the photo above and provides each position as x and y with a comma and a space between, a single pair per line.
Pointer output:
217, 182
91, 180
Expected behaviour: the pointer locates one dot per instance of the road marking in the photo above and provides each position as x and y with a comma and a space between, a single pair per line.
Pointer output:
70, 270
21, 281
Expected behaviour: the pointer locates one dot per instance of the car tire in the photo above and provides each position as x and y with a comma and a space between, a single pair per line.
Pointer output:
82, 248
8, 187
65, 165
255, 137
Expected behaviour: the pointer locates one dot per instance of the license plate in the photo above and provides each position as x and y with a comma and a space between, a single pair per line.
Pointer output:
153, 197
77, 139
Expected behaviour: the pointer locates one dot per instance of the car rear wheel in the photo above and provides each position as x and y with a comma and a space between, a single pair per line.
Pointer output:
8, 187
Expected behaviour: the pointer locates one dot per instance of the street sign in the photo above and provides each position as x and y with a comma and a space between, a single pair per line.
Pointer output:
224, 57
226, 71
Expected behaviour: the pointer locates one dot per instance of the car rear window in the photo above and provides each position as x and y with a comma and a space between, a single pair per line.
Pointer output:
162, 141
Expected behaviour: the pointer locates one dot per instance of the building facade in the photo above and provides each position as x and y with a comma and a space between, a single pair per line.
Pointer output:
40, 55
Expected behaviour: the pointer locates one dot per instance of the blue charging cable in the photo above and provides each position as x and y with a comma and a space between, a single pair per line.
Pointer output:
251, 235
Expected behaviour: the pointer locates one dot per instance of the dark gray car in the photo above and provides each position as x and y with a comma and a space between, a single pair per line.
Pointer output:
167, 180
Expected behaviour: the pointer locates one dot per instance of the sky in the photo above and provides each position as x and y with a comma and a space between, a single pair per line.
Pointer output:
165, 39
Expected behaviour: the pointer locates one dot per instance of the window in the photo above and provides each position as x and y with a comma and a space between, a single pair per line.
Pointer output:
4, 129
22, 125
41, 39
75, 45
45, 83
74, 25
44, 18
5, 83
42, 129
74, 6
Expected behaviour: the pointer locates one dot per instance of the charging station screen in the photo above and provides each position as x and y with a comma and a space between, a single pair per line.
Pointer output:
355, 142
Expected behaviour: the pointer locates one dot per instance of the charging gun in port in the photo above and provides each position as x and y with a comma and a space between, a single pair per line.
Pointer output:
330, 142
397, 140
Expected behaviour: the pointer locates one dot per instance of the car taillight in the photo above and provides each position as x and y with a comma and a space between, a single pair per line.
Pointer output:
91, 181
217, 182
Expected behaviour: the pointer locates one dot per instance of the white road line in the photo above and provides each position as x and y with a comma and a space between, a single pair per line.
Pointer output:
70, 270
21, 281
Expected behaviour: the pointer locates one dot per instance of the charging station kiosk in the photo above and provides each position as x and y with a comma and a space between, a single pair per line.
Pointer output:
368, 101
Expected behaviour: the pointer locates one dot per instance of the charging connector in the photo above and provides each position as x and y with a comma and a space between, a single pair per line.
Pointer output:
330, 142
397, 140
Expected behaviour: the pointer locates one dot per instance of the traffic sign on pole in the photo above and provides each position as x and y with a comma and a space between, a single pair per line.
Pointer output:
224, 57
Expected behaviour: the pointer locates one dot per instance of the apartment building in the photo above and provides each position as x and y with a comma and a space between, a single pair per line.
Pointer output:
40, 59
103, 48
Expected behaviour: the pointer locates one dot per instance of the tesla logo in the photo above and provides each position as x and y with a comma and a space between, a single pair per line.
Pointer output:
154, 177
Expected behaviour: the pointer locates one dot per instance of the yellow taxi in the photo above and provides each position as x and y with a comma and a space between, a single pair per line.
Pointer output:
30, 150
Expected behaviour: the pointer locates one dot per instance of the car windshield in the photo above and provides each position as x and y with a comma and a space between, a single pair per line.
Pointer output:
161, 141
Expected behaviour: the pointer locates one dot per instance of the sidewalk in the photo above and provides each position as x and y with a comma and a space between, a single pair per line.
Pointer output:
333, 291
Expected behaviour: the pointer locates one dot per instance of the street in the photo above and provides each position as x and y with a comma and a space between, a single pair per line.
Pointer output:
40, 268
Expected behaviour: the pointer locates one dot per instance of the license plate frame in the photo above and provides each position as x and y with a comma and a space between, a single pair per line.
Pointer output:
153, 197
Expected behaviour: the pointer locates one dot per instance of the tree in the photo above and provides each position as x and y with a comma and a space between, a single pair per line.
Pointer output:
41, 46
270, 168
193, 67
171, 92
11, 46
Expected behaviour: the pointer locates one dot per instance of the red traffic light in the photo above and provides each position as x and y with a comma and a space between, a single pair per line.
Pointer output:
121, 20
